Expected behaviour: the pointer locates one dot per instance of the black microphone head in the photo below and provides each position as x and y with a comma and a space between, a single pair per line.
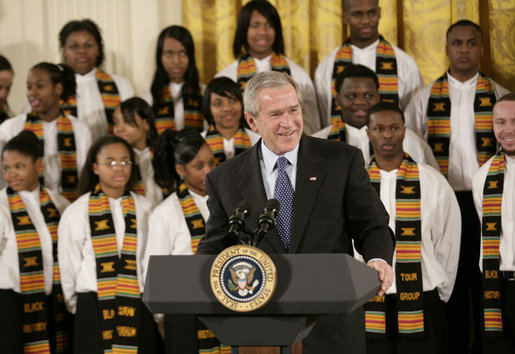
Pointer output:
273, 204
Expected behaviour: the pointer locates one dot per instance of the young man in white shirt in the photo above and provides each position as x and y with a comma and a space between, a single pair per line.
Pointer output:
494, 183
426, 218
454, 115
367, 47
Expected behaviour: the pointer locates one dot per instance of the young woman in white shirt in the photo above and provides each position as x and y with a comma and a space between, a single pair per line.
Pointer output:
64, 140
31, 302
175, 93
102, 237
98, 92
178, 224
227, 134
134, 121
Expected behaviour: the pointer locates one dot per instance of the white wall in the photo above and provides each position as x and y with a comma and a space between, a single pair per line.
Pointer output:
29, 31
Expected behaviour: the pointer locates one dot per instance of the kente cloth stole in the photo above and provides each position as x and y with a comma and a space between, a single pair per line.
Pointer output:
119, 298
206, 340
66, 148
164, 111
215, 140
247, 68
439, 123
491, 229
108, 93
36, 318
386, 70
3, 113
337, 131
408, 269
194, 220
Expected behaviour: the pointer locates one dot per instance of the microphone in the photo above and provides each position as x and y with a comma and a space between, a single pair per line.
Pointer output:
266, 220
237, 220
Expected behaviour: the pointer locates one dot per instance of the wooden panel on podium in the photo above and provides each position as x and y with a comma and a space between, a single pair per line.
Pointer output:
295, 349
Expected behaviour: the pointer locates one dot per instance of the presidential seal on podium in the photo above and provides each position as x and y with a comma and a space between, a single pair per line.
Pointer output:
243, 278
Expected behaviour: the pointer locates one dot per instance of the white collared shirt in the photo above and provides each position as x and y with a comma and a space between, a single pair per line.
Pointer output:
507, 242
9, 261
77, 261
440, 224
152, 191
408, 76
463, 159
269, 171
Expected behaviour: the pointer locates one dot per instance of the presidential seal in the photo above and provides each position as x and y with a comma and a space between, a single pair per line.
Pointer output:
243, 278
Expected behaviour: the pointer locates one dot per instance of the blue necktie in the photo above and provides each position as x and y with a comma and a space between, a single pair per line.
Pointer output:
284, 194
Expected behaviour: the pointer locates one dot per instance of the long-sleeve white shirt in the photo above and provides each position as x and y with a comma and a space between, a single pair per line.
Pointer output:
408, 75
441, 228
463, 159
168, 228
77, 261
9, 261
310, 113
417, 148
52, 160
152, 191
507, 242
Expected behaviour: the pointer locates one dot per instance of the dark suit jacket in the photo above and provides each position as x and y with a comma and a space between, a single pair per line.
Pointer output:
333, 203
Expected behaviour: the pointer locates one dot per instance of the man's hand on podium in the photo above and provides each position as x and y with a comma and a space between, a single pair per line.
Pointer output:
385, 274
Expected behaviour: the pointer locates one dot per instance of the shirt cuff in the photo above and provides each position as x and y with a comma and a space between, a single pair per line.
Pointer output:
377, 259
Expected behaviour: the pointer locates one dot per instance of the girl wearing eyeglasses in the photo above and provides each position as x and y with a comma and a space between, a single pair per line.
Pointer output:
182, 160
134, 121
64, 140
31, 302
101, 241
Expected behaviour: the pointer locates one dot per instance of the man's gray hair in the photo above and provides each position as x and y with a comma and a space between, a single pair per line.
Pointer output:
265, 79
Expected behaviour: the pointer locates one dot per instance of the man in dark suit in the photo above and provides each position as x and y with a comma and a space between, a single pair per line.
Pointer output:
330, 198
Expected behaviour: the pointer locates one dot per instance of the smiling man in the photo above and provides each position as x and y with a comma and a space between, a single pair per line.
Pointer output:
426, 218
325, 195
357, 89
494, 182
398, 72
453, 114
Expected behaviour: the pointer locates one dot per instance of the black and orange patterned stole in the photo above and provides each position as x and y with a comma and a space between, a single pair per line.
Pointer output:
386, 70
66, 148
439, 121
4, 112
119, 297
163, 107
108, 93
408, 268
206, 340
491, 229
215, 140
39, 326
247, 68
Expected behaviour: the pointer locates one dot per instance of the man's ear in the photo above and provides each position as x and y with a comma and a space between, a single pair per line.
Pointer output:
251, 121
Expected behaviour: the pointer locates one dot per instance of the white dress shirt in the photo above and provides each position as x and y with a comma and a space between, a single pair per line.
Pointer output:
310, 114
52, 160
77, 261
463, 158
441, 228
408, 76
152, 191
9, 261
507, 242
269, 171
169, 230
229, 149
417, 148
90, 107
178, 105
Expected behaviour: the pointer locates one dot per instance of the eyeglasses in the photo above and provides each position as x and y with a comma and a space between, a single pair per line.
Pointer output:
114, 165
